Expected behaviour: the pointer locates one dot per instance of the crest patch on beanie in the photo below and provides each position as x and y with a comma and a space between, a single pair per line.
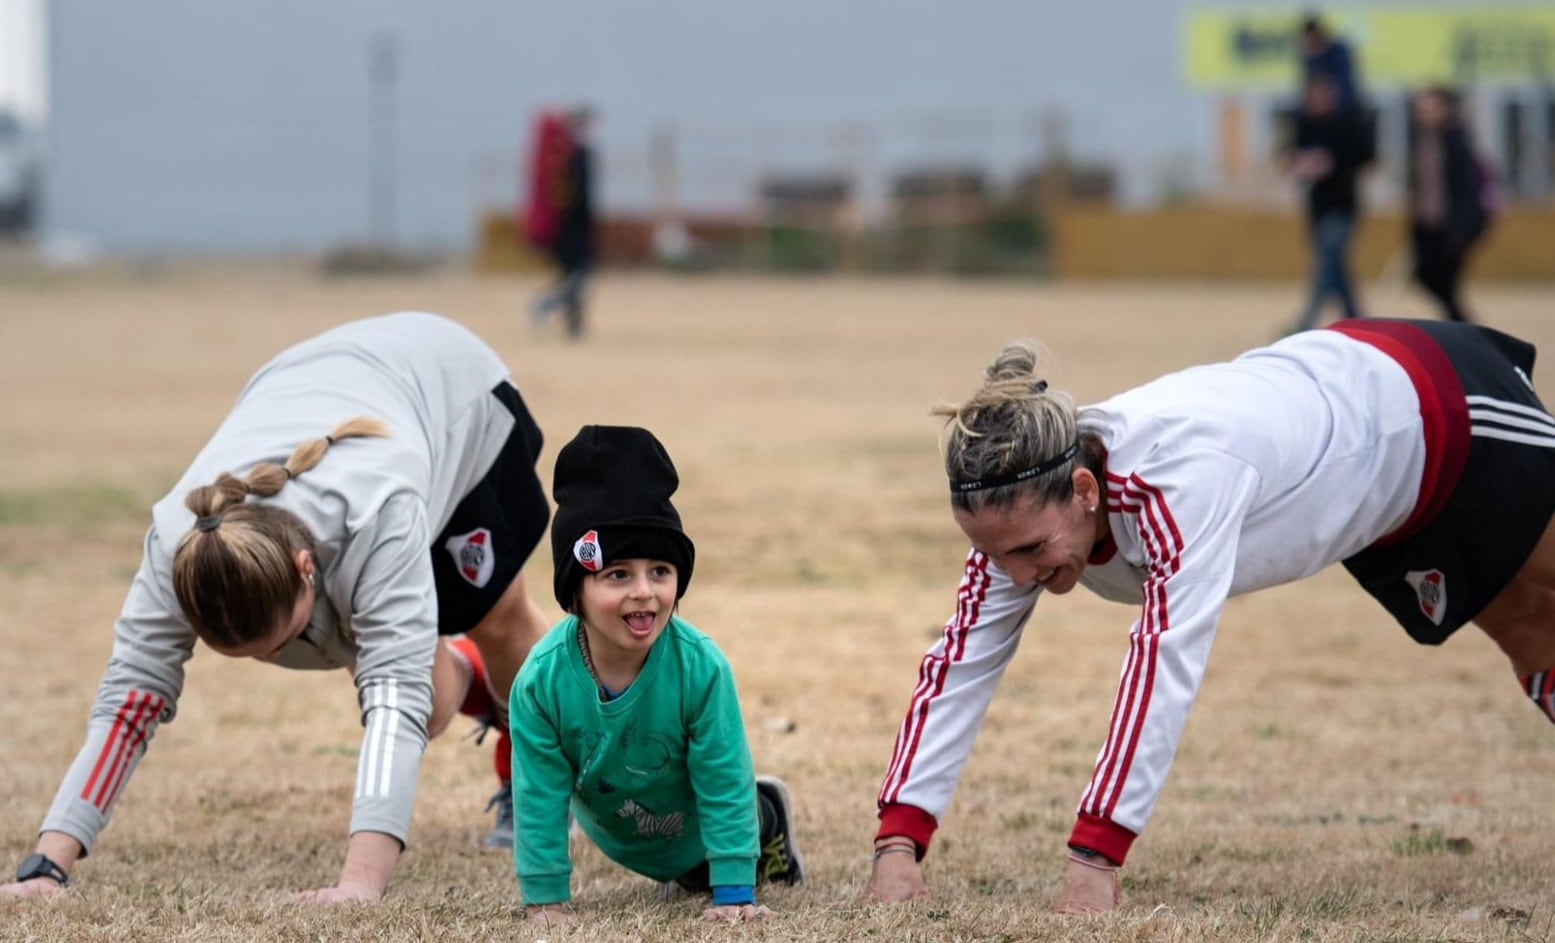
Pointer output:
586, 551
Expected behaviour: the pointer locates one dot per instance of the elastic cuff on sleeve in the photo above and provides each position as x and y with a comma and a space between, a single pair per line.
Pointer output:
727, 895
909, 821
538, 889
1100, 835
731, 872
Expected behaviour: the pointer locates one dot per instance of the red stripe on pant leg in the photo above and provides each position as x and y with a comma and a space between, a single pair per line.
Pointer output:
136, 739
110, 745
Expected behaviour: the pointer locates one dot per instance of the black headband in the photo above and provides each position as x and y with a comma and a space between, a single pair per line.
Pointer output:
999, 481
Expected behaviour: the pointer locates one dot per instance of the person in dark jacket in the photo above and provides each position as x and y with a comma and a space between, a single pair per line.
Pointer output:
1328, 154
1446, 213
1324, 55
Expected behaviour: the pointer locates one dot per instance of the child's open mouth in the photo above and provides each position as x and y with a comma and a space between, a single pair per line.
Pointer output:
639, 624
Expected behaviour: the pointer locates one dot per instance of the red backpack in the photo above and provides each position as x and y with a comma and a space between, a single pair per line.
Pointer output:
545, 179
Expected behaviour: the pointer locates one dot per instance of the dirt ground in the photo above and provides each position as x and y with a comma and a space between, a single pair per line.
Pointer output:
1336, 781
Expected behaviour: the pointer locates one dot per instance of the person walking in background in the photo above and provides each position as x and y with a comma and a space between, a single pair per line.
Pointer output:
309, 536
1327, 157
1448, 211
628, 714
1415, 452
561, 216
1324, 55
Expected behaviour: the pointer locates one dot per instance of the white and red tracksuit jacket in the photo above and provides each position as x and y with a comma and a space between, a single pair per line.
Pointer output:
1221, 480
374, 507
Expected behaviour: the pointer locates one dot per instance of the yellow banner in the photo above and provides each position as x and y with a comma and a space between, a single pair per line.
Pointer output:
1393, 46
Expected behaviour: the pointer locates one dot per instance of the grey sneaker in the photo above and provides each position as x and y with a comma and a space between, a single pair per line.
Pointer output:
501, 837
779, 861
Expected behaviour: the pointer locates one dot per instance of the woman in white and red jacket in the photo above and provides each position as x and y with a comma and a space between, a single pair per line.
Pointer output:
1415, 453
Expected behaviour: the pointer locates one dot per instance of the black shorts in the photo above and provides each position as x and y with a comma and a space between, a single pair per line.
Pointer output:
493, 529
1490, 478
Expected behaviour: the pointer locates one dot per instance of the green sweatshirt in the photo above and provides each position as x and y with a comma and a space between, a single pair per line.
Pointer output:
660, 778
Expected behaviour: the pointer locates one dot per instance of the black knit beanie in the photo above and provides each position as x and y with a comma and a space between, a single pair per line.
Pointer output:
612, 489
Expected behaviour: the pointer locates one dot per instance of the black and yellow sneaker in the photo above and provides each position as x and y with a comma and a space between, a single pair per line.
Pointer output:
779, 861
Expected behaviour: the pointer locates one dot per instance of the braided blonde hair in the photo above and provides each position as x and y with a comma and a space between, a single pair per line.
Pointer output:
234, 574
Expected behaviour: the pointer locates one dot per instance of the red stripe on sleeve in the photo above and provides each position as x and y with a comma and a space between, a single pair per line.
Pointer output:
139, 732
131, 737
1164, 544
932, 673
110, 746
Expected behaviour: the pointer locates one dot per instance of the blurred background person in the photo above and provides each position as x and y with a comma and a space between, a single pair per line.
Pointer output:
561, 216
1328, 153
1448, 209
1324, 55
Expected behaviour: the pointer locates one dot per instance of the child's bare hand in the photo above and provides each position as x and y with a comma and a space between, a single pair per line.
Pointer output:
735, 913
342, 893
552, 916
1091, 887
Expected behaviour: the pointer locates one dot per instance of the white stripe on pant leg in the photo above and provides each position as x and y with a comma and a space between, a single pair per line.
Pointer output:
1505, 406
1491, 432
1516, 422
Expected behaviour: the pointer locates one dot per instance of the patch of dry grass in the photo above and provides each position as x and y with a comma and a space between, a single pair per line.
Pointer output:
1336, 782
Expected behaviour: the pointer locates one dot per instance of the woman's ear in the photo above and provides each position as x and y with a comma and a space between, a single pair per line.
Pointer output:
1087, 488
305, 564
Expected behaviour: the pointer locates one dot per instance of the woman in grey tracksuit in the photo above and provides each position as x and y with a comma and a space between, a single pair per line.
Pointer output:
372, 491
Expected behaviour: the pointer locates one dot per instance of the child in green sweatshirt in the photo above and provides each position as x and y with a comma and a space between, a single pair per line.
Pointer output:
626, 715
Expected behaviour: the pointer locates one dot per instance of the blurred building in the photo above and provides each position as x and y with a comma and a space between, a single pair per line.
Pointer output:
291, 125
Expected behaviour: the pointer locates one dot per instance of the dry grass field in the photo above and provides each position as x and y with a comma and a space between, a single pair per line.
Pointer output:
1336, 781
